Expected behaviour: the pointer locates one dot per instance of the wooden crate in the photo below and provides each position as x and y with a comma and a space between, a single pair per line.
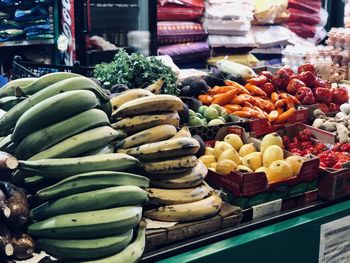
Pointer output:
229, 216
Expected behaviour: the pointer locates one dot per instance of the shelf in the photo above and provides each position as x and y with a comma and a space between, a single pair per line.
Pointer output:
19, 43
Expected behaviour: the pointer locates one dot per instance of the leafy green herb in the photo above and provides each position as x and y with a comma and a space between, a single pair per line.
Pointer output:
136, 71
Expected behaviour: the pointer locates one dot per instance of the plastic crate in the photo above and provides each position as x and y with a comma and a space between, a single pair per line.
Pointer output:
23, 69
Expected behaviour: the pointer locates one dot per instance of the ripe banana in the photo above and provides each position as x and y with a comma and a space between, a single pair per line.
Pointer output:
64, 167
8, 121
85, 249
188, 179
90, 201
178, 196
155, 87
164, 149
149, 104
155, 134
80, 143
91, 181
90, 224
9, 88
183, 132
7, 103
143, 122
194, 211
175, 165
132, 253
45, 81
109, 148
49, 136
52, 110
129, 95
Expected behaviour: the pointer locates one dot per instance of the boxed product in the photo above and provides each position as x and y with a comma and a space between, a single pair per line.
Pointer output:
172, 12
186, 52
179, 32
250, 189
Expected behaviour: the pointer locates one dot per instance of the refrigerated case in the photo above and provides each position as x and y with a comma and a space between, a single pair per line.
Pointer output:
129, 24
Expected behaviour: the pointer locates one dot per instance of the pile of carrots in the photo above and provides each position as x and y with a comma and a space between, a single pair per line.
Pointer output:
250, 101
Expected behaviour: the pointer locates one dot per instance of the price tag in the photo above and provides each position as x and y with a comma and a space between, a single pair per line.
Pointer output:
267, 208
335, 241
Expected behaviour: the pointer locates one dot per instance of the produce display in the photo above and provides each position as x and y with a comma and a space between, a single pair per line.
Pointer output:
331, 156
339, 124
82, 165
256, 99
135, 71
14, 243
178, 192
232, 154
209, 116
87, 206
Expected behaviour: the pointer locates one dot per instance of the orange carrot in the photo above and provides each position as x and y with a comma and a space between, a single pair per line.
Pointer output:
243, 114
296, 101
237, 85
263, 114
225, 98
280, 103
280, 111
283, 95
242, 98
205, 99
257, 102
285, 115
255, 90
290, 103
252, 112
274, 96
220, 89
232, 108
267, 105
247, 104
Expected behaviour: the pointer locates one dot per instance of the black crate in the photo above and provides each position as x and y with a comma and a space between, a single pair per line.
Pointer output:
23, 69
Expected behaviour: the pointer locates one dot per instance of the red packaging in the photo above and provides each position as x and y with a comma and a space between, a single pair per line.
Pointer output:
303, 17
179, 13
310, 6
179, 32
301, 29
191, 3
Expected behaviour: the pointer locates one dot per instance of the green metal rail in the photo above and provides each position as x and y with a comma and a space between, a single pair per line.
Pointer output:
295, 240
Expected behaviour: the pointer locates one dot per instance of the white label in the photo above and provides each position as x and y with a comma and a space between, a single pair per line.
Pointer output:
267, 208
335, 241
154, 224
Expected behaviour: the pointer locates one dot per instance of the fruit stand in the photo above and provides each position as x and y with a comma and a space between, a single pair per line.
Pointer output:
174, 170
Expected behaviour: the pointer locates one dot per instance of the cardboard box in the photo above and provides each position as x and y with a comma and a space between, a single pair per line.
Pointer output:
209, 132
251, 189
333, 183
262, 126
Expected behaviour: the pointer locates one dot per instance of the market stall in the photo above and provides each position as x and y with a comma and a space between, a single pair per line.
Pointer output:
139, 159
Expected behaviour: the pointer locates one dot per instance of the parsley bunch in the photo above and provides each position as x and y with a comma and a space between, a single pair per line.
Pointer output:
136, 71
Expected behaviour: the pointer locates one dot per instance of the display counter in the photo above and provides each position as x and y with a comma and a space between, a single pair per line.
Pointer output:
289, 237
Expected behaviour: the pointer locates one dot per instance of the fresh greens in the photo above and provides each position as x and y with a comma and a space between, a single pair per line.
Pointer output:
136, 71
